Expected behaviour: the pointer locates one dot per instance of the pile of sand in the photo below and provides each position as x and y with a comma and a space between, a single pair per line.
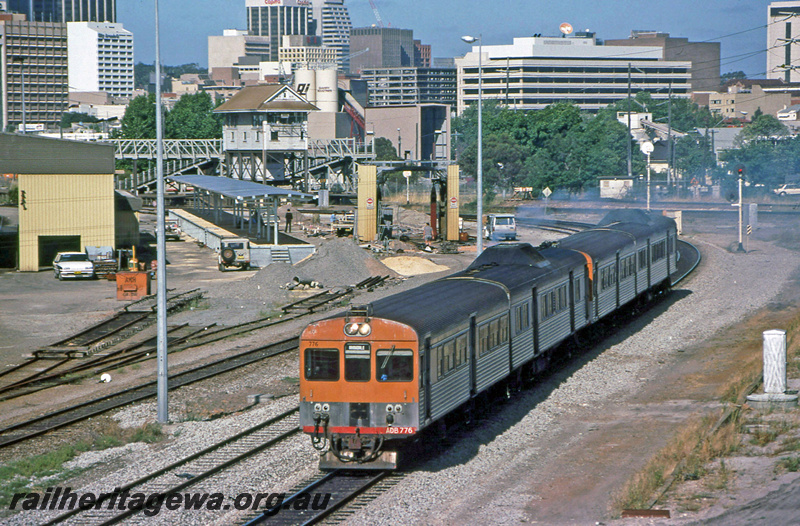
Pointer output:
412, 266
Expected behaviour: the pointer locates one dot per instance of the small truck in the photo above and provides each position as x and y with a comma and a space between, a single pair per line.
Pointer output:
500, 227
234, 252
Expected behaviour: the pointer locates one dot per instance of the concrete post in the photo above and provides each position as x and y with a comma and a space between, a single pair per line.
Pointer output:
775, 362
775, 395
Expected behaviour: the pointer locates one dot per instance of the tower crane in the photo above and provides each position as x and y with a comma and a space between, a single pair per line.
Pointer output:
377, 14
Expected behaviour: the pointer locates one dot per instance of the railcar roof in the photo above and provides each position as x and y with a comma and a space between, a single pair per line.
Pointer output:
440, 304
597, 242
517, 275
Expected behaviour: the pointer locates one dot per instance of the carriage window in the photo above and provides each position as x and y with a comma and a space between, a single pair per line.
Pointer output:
643, 258
322, 364
503, 329
494, 333
461, 350
483, 339
394, 365
356, 362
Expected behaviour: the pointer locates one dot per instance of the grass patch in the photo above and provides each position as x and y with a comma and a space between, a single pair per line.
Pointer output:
789, 444
685, 457
788, 464
22, 476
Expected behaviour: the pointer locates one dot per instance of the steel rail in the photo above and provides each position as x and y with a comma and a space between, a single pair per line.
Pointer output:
228, 459
37, 426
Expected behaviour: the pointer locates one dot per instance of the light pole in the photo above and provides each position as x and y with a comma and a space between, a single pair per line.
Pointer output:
647, 148
740, 177
471, 40
162, 386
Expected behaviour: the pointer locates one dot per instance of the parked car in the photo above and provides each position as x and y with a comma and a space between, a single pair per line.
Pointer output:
788, 189
73, 265
234, 252
172, 230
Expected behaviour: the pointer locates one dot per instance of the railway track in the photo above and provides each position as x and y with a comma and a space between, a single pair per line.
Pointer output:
193, 469
37, 426
59, 364
344, 488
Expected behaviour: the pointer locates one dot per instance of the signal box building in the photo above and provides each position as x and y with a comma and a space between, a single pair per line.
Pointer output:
265, 133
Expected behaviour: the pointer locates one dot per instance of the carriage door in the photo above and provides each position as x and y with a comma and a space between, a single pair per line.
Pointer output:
587, 287
425, 378
571, 299
616, 278
535, 313
473, 356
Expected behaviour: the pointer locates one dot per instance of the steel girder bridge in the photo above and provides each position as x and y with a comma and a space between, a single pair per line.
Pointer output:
329, 163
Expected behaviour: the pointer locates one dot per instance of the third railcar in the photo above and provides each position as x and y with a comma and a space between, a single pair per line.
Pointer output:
377, 375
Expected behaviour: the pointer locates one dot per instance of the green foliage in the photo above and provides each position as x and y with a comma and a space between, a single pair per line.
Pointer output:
139, 121
557, 147
193, 118
725, 77
762, 127
768, 153
67, 119
384, 150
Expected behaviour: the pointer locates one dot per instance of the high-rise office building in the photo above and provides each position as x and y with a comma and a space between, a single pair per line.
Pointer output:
276, 18
783, 31
332, 23
381, 47
704, 56
34, 80
100, 58
66, 10
534, 72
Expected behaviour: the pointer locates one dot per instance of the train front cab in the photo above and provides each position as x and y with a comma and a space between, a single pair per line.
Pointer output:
359, 390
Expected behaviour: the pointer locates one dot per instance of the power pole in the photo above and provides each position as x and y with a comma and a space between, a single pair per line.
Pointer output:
630, 153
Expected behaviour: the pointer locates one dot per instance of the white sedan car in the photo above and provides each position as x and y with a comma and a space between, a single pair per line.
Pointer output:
73, 265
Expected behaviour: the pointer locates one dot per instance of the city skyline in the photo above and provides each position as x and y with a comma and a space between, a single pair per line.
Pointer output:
740, 25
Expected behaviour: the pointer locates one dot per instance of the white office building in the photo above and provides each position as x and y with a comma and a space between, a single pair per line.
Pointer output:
333, 25
275, 18
100, 57
535, 72
783, 31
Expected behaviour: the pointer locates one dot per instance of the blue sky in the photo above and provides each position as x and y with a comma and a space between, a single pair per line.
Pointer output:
738, 24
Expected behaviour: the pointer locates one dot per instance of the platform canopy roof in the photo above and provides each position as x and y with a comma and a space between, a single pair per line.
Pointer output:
235, 188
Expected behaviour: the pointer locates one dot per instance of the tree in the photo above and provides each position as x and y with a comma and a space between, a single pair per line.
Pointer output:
193, 117
67, 119
384, 150
731, 75
762, 127
139, 121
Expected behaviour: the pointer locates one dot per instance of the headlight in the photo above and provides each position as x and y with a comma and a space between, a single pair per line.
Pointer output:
351, 329
365, 329
398, 408
389, 408
317, 407
326, 408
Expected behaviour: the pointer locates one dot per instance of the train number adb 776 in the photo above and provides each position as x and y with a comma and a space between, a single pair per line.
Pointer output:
400, 430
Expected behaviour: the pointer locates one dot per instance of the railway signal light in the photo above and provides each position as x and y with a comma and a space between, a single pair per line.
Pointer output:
740, 171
